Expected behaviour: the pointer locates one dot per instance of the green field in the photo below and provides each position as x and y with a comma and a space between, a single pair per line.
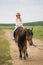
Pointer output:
7, 27
4, 50
37, 30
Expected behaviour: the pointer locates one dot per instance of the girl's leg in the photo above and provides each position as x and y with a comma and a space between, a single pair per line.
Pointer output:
13, 35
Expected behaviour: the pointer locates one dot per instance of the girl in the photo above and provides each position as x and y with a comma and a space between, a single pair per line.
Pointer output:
18, 22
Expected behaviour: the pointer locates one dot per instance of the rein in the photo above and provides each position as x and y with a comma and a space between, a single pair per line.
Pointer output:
37, 46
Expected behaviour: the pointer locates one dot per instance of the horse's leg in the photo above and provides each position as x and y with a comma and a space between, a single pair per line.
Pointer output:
25, 51
26, 54
20, 53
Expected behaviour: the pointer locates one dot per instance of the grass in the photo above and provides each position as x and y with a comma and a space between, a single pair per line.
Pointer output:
1, 32
7, 27
37, 30
4, 52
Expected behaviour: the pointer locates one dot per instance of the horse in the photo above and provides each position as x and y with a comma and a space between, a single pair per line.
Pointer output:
29, 35
21, 36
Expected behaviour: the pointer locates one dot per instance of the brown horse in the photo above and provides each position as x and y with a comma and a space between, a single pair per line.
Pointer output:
21, 36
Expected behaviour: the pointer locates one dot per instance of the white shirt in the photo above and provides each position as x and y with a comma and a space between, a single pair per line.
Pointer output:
19, 23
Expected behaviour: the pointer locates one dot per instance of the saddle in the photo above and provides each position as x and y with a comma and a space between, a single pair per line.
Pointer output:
16, 32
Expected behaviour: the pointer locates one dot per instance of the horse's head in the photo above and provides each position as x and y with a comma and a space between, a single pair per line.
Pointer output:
29, 36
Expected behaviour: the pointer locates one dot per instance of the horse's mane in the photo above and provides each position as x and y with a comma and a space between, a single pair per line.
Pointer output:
29, 32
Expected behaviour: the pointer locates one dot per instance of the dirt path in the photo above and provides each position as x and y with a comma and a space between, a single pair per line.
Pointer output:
35, 55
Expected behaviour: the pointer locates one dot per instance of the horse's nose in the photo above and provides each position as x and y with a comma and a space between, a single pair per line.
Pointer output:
30, 43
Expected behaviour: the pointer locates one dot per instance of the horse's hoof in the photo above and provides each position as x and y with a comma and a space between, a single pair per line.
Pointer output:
20, 56
24, 58
27, 54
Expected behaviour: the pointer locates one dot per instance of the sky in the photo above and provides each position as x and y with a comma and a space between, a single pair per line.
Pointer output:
31, 10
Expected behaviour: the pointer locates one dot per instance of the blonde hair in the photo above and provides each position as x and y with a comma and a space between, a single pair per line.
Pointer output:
18, 16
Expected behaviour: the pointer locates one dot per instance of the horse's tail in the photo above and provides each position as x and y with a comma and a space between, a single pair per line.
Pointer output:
22, 39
